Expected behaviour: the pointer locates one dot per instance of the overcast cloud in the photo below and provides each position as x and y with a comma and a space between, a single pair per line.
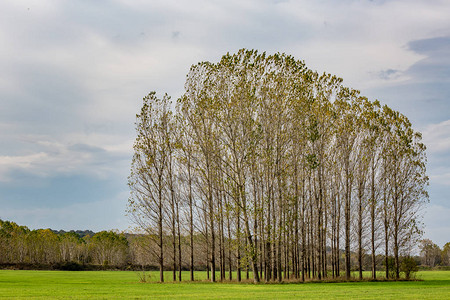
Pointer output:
73, 73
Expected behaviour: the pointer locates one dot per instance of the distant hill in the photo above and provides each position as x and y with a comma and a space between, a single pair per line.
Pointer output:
81, 233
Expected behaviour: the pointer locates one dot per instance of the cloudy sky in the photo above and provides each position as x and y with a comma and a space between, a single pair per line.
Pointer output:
73, 74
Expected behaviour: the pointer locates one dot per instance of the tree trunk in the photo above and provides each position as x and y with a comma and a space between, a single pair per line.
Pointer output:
347, 224
372, 223
179, 244
238, 239
160, 234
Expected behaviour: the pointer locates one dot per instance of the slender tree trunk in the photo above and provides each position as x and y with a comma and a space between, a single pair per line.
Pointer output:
386, 236
396, 257
222, 239
174, 248
268, 242
273, 243
207, 246
280, 228
262, 240
347, 223
174, 235
230, 262
255, 231
250, 242
324, 239
372, 223
213, 239
262, 255
320, 225
303, 263
160, 233
286, 249
338, 237
396, 229
191, 228
303, 225
221, 246
295, 253
179, 244
360, 220
238, 239
333, 235
386, 257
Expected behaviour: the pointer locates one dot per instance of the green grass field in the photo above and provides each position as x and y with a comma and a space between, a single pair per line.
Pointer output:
126, 285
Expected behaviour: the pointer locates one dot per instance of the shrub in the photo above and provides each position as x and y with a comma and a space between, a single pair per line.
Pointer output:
409, 267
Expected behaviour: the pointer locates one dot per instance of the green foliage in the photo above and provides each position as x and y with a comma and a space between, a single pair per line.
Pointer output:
409, 267
312, 161
109, 248
109, 238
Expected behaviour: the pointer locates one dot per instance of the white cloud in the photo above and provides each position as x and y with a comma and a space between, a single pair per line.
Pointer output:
358, 39
96, 155
442, 179
437, 137
7, 163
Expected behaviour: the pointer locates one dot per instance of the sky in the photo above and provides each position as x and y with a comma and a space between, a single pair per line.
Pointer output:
73, 75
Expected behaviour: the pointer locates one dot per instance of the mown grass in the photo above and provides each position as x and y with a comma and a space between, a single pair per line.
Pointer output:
125, 285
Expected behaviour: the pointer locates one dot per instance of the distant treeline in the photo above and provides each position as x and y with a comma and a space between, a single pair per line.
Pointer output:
45, 247
23, 248
81, 233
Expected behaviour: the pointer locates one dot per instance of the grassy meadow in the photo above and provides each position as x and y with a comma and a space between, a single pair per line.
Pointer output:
18, 284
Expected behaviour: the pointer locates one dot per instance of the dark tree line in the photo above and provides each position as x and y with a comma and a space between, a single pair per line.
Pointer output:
278, 168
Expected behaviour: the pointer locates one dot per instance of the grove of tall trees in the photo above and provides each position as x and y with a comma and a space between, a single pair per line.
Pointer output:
276, 171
